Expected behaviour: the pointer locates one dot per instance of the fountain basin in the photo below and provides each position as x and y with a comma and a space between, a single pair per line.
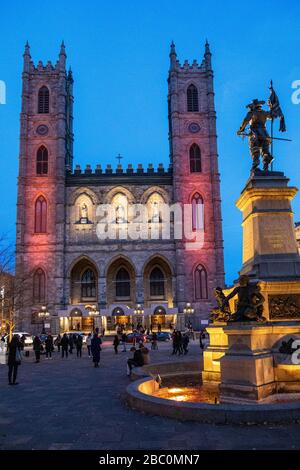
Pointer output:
146, 396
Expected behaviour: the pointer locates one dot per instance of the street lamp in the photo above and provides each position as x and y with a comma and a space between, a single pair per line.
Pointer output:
43, 313
188, 310
94, 312
138, 310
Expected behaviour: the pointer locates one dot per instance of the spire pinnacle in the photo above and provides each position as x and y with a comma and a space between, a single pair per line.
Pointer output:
62, 57
27, 58
207, 56
173, 50
27, 49
62, 48
173, 56
207, 49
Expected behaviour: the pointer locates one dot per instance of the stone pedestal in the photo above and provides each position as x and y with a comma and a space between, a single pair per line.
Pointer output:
218, 345
252, 367
269, 245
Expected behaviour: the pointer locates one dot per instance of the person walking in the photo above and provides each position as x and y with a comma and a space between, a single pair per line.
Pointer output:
174, 342
88, 343
57, 343
116, 343
49, 346
79, 346
124, 340
185, 343
71, 343
154, 342
37, 343
14, 359
64, 345
179, 343
22, 342
201, 336
96, 347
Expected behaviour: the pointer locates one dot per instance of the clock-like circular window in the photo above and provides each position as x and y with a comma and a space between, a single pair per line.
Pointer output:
42, 129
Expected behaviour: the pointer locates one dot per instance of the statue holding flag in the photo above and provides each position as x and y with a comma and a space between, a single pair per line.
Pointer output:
259, 138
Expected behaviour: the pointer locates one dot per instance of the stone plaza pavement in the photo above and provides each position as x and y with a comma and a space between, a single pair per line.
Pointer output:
68, 404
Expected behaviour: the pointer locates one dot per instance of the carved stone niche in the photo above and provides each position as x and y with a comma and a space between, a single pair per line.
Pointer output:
284, 306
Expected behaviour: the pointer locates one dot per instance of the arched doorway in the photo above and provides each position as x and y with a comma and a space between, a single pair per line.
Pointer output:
119, 320
160, 320
75, 320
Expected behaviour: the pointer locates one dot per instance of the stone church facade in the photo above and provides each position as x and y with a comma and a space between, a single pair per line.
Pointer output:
63, 266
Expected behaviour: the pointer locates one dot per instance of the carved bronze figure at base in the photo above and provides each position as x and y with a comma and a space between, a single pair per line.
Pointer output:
250, 303
222, 313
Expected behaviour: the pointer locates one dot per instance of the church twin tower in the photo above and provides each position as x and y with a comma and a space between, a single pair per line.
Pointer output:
60, 262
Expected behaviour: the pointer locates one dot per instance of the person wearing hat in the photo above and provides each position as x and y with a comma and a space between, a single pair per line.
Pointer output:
259, 139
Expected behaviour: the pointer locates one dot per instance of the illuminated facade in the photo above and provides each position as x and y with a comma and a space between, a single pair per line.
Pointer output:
63, 265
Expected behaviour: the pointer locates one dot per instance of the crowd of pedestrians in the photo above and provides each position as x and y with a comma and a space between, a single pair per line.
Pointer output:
66, 343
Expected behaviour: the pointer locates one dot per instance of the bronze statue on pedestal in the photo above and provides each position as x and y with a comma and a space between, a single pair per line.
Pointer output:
258, 136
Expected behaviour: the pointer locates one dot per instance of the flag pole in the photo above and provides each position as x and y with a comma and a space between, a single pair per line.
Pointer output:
272, 143
272, 121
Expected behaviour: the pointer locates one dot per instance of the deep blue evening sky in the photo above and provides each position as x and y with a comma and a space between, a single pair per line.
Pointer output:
119, 55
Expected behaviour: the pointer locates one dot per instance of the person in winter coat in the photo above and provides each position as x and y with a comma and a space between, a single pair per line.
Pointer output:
124, 341
71, 343
154, 341
37, 343
116, 343
57, 343
79, 342
49, 346
14, 359
64, 345
88, 343
96, 347
136, 361
185, 343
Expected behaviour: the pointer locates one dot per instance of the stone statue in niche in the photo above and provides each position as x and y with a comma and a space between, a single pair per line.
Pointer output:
155, 212
83, 214
84, 211
120, 215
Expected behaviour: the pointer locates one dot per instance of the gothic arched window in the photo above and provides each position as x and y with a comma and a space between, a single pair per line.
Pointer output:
88, 284
122, 283
157, 283
195, 159
40, 221
200, 280
43, 100
42, 161
192, 99
39, 286
197, 212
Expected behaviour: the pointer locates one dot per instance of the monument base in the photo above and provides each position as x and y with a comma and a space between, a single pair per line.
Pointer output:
218, 345
270, 250
252, 368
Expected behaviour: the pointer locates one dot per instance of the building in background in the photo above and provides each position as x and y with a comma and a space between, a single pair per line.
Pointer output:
83, 281
6, 299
